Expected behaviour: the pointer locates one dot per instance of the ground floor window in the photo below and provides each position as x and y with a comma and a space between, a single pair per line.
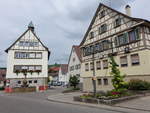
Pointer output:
135, 60
124, 61
99, 81
105, 81
35, 81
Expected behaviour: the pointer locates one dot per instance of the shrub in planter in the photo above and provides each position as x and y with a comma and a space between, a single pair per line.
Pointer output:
2, 88
136, 84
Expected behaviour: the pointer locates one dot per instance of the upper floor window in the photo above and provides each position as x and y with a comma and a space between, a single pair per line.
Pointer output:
87, 67
106, 44
91, 35
102, 14
98, 65
28, 68
123, 39
92, 66
103, 28
105, 64
28, 43
135, 60
117, 22
134, 35
28, 55
124, 61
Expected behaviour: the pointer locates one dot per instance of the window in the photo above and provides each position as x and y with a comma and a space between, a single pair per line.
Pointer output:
103, 28
86, 67
106, 44
99, 81
35, 81
123, 39
135, 60
32, 55
77, 66
27, 67
96, 48
102, 14
92, 66
124, 61
39, 55
74, 59
134, 35
91, 49
105, 81
19, 82
38, 68
28, 55
91, 34
31, 68
117, 22
105, 64
98, 65
30, 81
28, 44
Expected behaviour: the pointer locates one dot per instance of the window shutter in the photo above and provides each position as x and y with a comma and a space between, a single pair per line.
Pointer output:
126, 38
137, 33
116, 41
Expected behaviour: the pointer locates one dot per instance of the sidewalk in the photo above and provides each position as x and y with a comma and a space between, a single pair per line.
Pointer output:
67, 98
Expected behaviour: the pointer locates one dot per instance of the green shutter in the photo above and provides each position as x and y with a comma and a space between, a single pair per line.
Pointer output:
137, 33
126, 37
116, 41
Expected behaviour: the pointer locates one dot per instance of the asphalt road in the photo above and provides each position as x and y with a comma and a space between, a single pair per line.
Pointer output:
37, 103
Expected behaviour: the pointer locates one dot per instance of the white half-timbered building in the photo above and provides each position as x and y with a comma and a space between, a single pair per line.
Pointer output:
28, 54
74, 63
114, 33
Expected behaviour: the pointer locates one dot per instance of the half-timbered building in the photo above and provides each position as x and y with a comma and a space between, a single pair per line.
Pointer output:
114, 33
27, 58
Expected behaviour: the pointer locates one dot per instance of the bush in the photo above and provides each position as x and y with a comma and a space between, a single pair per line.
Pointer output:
136, 84
2, 88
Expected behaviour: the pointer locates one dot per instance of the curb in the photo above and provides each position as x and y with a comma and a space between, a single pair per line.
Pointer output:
98, 107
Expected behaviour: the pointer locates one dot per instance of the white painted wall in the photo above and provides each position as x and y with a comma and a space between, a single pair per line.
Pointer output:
11, 61
74, 63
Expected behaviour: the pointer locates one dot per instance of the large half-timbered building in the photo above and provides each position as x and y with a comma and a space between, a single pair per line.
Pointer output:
114, 33
27, 55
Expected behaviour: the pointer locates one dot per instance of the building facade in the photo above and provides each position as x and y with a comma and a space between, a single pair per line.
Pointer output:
27, 55
74, 64
63, 74
112, 33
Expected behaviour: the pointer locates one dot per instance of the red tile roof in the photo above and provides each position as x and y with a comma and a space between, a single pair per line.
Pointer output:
78, 51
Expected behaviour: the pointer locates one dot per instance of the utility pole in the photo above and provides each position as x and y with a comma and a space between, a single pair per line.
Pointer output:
94, 76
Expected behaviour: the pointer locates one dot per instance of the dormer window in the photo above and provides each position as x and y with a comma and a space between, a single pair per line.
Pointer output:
102, 14
117, 22
91, 34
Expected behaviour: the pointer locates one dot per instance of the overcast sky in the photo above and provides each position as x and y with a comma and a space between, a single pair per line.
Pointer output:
59, 23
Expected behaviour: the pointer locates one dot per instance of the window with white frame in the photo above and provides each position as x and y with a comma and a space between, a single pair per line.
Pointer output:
98, 65
105, 64
135, 60
123, 61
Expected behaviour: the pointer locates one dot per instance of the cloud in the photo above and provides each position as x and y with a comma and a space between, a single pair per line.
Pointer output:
59, 23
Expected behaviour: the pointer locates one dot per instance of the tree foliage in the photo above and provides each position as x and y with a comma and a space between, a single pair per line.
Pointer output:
74, 81
117, 80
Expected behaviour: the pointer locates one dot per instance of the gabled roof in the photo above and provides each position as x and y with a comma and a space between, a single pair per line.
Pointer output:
95, 15
77, 51
29, 29
64, 68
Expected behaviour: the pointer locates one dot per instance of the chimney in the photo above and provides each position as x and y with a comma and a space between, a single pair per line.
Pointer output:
128, 10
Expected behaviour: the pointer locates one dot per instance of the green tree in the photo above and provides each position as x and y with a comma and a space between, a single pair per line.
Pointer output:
117, 80
74, 81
